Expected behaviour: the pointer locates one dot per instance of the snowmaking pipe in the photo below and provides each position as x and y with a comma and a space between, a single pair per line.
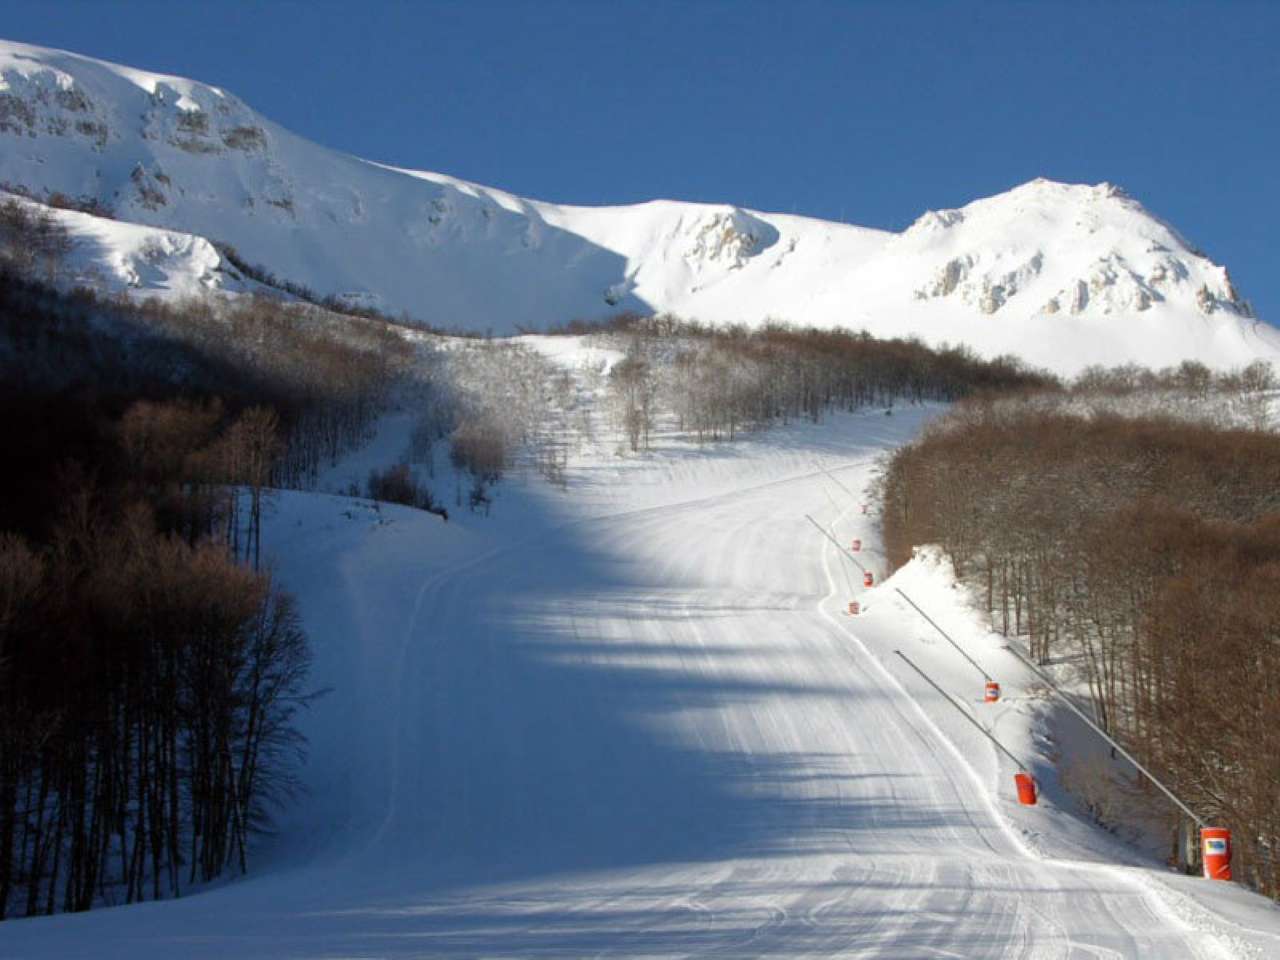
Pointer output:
822, 530
835, 480
964, 713
945, 636
848, 579
824, 486
1105, 736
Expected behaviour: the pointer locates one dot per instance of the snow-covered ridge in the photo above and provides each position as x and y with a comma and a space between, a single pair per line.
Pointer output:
1041, 240
115, 257
1063, 275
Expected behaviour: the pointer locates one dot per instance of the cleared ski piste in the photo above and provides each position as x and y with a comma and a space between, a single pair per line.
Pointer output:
631, 719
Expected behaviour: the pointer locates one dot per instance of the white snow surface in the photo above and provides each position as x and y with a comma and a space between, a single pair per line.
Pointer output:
631, 719
1061, 275
116, 257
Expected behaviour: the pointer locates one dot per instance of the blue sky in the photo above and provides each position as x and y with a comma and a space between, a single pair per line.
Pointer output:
866, 112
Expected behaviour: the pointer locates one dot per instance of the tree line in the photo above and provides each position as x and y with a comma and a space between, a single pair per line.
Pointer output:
72, 356
1145, 550
149, 679
716, 382
500, 404
150, 672
31, 240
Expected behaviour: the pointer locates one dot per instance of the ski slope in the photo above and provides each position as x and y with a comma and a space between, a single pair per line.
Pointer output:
631, 720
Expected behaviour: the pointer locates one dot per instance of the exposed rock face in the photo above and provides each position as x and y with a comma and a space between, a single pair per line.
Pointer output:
60, 104
48, 103
932, 221
979, 285
150, 186
729, 237
1037, 238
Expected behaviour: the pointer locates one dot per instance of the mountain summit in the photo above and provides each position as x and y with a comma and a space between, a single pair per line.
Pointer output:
1062, 275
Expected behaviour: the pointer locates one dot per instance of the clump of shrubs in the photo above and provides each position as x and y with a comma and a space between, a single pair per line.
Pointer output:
398, 485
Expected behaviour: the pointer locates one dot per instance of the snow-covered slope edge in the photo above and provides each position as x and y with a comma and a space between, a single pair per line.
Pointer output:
1063, 275
114, 257
1059, 831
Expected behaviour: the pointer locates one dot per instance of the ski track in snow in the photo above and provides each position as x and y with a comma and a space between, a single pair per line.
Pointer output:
644, 729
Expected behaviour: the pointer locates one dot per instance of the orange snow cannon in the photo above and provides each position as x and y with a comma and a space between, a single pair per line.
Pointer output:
1026, 789
1215, 846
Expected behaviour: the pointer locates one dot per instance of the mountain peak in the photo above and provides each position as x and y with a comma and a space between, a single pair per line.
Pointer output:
1049, 248
1064, 274
69, 70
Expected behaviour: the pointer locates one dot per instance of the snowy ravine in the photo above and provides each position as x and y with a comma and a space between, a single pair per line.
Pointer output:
631, 719
1061, 275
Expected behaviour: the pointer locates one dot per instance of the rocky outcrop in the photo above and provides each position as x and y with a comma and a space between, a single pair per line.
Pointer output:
729, 237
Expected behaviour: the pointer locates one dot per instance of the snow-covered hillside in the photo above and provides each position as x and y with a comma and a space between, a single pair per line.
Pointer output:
1063, 275
114, 256
633, 720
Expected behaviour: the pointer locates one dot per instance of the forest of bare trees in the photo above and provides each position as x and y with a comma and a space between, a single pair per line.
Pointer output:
149, 679
716, 382
150, 670
1145, 550
502, 405
31, 241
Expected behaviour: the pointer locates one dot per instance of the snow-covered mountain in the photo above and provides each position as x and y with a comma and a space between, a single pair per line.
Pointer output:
115, 256
1063, 275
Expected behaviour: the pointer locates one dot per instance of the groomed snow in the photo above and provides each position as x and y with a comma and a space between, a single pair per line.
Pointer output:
630, 719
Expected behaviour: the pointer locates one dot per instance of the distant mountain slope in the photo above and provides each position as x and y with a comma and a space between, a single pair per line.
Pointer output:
114, 256
1062, 275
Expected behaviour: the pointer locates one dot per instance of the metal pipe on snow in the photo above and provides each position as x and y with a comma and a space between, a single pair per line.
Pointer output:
847, 578
950, 699
834, 480
842, 550
834, 504
975, 663
1105, 736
